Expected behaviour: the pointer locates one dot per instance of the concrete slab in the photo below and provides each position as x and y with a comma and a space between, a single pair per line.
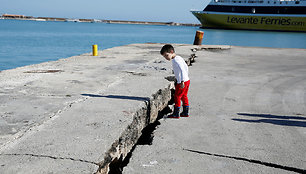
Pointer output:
77, 115
248, 110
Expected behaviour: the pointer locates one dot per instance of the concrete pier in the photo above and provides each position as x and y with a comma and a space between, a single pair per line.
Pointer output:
84, 113
247, 115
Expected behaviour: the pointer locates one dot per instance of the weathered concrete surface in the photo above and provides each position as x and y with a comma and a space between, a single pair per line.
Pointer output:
245, 102
78, 114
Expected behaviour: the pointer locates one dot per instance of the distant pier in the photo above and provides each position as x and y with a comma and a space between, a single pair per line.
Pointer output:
23, 17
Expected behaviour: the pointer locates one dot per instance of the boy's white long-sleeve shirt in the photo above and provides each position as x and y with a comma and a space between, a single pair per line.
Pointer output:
180, 69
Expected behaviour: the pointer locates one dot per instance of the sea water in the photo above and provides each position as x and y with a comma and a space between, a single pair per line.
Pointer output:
31, 42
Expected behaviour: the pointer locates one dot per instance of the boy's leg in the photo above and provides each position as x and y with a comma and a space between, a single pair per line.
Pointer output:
185, 112
185, 93
177, 100
178, 95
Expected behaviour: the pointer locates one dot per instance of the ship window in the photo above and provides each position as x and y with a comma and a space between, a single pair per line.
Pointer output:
280, 2
239, 1
268, 2
297, 2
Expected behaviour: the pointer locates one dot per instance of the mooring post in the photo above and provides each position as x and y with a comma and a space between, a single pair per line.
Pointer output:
198, 38
95, 50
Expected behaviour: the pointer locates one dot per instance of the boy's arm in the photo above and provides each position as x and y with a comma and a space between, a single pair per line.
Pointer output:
182, 85
181, 65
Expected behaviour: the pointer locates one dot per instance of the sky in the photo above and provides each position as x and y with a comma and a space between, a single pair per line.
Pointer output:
133, 10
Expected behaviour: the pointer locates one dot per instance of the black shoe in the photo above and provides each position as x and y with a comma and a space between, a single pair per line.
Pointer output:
185, 111
175, 113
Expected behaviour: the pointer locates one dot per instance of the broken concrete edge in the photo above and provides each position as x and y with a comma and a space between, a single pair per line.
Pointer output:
145, 115
191, 58
213, 47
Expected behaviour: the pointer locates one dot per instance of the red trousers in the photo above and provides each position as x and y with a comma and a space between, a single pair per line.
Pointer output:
181, 94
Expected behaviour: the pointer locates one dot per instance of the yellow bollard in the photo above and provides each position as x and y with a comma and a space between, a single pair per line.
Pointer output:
94, 50
198, 38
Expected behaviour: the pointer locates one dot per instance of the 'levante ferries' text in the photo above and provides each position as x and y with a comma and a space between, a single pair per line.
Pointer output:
263, 20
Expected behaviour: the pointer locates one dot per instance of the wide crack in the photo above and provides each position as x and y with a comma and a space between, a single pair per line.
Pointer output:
146, 138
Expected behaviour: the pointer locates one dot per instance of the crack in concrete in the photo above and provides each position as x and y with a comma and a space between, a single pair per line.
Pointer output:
288, 168
146, 138
121, 150
141, 130
51, 157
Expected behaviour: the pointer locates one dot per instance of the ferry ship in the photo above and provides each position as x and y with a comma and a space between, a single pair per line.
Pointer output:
274, 15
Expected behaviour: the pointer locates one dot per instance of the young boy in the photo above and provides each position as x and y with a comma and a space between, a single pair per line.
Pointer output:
180, 69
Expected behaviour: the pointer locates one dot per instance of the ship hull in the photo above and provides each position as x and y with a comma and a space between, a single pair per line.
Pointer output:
251, 21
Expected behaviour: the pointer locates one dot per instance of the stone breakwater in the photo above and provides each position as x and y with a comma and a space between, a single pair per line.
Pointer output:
22, 17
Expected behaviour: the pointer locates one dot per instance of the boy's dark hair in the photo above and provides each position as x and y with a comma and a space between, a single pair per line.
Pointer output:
166, 49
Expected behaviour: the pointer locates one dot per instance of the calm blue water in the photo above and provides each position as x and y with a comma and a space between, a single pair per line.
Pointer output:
30, 42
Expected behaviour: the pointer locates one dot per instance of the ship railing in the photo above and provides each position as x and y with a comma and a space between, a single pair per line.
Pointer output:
240, 1
253, 1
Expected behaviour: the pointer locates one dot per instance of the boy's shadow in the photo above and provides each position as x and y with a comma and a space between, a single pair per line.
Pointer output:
275, 119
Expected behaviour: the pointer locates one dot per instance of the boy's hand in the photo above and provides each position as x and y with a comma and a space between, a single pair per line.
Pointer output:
182, 85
